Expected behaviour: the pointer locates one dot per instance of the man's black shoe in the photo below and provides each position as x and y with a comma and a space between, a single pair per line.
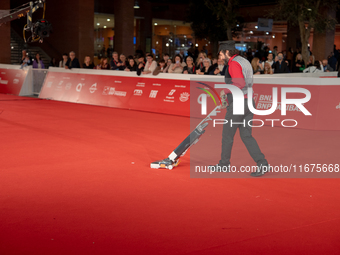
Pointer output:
261, 170
219, 168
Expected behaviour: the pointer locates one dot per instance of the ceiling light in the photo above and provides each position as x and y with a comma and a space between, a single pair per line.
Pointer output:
108, 20
136, 6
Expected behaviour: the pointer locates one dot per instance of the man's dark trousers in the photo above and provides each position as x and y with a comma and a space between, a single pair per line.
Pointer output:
245, 133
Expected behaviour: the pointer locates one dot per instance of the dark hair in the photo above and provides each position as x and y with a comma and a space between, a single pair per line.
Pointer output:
139, 56
65, 54
231, 52
130, 57
161, 61
179, 57
317, 64
166, 54
150, 55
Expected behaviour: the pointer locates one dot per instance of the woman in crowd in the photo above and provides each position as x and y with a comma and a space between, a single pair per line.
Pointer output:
53, 63
177, 66
88, 63
62, 63
38, 63
103, 64
150, 65
199, 60
131, 66
267, 68
257, 67
206, 67
299, 64
161, 68
168, 64
190, 68
311, 61
316, 68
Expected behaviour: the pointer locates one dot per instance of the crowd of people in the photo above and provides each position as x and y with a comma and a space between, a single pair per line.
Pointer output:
264, 62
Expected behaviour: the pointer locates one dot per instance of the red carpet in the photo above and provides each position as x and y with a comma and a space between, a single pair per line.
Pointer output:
75, 179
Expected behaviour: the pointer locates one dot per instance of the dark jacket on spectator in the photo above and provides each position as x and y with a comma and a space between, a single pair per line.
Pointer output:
73, 64
209, 70
280, 68
140, 70
90, 66
123, 67
114, 63
296, 69
190, 70
132, 68
213, 68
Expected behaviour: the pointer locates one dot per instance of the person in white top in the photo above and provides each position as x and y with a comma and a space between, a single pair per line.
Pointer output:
62, 63
177, 66
269, 60
150, 65
316, 68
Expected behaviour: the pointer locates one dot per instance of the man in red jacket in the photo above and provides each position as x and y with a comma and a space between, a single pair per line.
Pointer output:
240, 74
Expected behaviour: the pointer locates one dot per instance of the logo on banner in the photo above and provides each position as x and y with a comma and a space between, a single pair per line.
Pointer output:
153, 93
68, 86
184, 97
107, 90
156, 84
140, 84
49, 84
3, 81
338, 106
60, 85
93, 88
112, 91
15, 81
138, 92
172, 92
79, 87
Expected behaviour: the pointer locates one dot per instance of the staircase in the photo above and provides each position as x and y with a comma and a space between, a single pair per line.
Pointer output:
18, 44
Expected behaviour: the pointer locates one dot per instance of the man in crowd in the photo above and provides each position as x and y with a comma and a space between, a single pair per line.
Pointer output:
218, 68
115, 62
280, 66
123, 61
326, 66
72, 62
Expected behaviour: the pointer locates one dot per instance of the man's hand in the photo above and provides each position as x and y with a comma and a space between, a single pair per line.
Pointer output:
217, 71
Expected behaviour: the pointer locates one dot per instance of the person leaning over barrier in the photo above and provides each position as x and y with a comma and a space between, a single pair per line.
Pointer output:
150, 64
132, 65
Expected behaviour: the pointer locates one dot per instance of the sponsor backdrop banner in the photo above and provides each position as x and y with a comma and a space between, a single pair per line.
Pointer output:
172, 97
11, 81
137, 93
